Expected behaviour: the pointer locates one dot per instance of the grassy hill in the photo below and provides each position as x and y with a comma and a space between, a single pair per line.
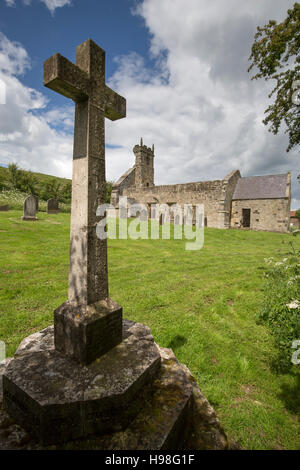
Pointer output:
41, 177
202, 304
44, 187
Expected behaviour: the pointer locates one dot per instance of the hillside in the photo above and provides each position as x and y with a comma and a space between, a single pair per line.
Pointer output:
41, 177
17, 184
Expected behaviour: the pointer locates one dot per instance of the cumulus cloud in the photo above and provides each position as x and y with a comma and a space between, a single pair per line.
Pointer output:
36, 137
198, 104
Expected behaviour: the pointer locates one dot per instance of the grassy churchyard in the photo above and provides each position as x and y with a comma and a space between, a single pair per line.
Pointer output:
202, 304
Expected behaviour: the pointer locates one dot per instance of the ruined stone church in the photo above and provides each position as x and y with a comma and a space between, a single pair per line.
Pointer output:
255, 202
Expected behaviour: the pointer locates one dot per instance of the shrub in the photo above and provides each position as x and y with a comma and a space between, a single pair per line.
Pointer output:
281, 306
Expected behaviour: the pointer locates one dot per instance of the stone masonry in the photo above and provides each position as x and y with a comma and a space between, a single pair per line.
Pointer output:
266, 199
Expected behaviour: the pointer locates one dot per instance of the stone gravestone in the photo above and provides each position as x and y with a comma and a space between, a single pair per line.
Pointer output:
37, 202
94, 373
52, 206
29, 209
4, 208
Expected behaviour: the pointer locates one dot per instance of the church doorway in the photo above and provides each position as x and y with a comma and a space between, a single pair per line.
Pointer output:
246, 218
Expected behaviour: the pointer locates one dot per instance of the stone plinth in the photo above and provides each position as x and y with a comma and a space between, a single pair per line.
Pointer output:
58, 400
175, 415
86, 333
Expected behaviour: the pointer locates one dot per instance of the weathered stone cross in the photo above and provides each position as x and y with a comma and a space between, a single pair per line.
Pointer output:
88, 278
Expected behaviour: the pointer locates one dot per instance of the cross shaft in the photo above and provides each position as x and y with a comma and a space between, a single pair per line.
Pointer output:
85, 84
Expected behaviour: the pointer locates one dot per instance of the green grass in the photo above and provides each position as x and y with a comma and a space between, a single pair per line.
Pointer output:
202, 304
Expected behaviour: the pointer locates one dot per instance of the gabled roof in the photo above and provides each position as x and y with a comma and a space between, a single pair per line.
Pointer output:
123, 177
261, 187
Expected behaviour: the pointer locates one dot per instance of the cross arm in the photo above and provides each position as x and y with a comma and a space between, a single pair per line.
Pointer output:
115, 105
64, 77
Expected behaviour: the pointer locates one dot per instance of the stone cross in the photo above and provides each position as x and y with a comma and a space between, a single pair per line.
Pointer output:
89, 323
85, 84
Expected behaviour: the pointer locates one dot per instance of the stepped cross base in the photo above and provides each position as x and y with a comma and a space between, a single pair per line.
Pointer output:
58, 400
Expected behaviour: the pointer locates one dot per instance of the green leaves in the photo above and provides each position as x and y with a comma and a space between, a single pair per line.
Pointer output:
275, 54
281, 307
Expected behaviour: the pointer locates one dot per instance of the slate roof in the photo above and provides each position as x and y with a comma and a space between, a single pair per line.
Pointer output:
261, 187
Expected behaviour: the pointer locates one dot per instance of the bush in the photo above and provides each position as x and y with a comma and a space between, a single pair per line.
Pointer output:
281, 306
12, 197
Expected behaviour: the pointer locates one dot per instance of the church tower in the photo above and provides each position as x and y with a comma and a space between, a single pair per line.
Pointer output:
144, 165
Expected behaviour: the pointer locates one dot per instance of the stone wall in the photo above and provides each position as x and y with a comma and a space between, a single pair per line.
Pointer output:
266, 214
126, 181
228, 187
208, 193
270, 212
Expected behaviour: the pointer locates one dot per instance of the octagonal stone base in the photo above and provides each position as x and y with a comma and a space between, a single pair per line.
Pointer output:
58, 399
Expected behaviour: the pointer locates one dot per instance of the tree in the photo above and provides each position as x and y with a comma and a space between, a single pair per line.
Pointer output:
109, 186
15, 175
52, 189
28, 182
2, 183
66, 193
275, 53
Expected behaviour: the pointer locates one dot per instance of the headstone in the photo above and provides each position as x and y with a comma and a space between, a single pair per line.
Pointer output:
37, 203
29, 209
52, 206
4, 208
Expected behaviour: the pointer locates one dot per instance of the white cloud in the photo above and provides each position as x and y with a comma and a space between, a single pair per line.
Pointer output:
13, 57
198, 105
50, 4
28, 133
53, 4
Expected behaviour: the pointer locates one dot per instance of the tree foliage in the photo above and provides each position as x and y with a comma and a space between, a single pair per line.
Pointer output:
276, 54
30, 183
52, 189
14, 175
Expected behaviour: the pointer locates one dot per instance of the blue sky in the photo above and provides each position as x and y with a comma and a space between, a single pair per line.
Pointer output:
110, 23
181, 65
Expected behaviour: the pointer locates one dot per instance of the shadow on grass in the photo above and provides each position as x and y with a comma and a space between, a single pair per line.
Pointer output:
177, 342
290, 395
